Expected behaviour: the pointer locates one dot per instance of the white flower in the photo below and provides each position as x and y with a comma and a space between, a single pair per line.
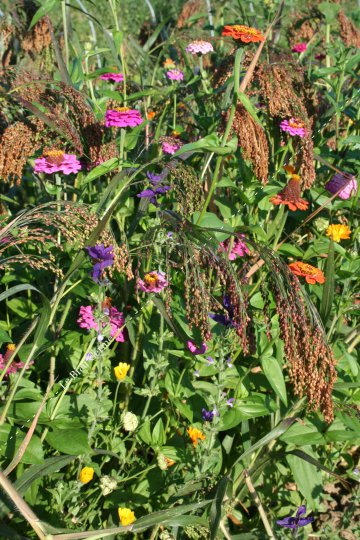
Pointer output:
130, 421
107, 484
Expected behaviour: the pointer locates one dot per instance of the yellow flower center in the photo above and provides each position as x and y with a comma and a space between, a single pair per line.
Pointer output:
245, 29
304, 267
294, 124
11, 347
122, 109
151, 279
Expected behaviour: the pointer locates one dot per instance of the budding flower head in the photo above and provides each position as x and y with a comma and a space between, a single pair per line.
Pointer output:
86, 475
130, 421
107, 484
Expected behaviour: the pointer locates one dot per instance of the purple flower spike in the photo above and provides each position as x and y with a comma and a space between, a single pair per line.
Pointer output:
297, 521
207, 416
155, 179
210, 360
102, 257
196, 350
152, 194
230, 402
196, 373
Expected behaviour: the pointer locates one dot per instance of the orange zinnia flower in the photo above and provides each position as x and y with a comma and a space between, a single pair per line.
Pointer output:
151, 115
195, 435
310, 273
246, 34
291, 195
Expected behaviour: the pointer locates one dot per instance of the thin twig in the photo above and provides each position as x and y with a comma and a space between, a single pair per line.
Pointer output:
260, 507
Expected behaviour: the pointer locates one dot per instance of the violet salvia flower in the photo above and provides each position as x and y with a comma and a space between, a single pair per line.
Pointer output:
116, 77
102, 257
155, 179
199, 47
299, 47
175, 75
346, 183
54, 161
153, 282
152, 194
208, 416
229, 362
293, 127
210, 360
239, 247
225, 319
196, 350
297, 521
230, 402
196, 373
122, 117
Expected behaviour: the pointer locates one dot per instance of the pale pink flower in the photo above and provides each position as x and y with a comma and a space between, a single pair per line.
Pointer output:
199, 47
299, 47
170, 147
239, 247
122, 117
55, 161
153, 282
347, 184
116, 77
294, 127
196, 350
175, 75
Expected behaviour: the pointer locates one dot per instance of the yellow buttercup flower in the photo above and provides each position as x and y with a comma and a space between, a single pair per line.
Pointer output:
86, 475
121, 371
126, 516
338, 232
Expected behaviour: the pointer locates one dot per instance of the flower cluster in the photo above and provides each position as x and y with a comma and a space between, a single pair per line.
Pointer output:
199, 47
110, 316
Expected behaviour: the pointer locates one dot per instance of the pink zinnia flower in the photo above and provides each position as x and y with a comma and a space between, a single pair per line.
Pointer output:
122, 117
239, 248
294, 127
153, 282
116, 77
175, 75
347, 184
170, 147
57, 161
14, 367
299, 47
111, 316
196, 350
199, 47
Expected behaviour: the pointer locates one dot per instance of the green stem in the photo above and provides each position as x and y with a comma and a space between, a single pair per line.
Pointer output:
174, 114
66, 40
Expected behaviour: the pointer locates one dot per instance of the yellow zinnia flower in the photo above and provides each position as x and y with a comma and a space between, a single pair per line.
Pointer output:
126, 516
86, 475
121, 371
338, 232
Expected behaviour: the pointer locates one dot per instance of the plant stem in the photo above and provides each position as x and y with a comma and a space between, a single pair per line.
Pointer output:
66, 41
260, 507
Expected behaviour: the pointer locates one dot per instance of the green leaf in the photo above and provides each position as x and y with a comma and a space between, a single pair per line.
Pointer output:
145, 433
158, 435
330, 11
249, 107
47, 6
303, 433
10, 440
4, 337
329, 285
216, 507
316, 463
274, 375
100, 170
307, 478
69, 441
210, 143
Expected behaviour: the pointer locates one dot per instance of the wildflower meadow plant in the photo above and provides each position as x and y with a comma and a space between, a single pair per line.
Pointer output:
179, 270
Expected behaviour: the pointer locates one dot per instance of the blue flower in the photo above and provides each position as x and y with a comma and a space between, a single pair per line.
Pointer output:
297, 521
208, 416
155, 179
102, 257
225, 319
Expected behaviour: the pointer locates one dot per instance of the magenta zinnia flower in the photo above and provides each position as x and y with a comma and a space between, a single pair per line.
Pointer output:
170, 147
294, 127
122, 117
14, 367
299, 47
116, 77
153, 282
347, 183
57, 161
199, 47
110, 316
239, 248
175, 75
196, 350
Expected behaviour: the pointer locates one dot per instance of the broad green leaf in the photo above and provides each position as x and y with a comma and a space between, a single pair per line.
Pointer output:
316, 463
10, 440
249, 107
210, 143
158, 437
69, 441
275, 376
217, 505
47, 6
307, 478
303, 433
100, 170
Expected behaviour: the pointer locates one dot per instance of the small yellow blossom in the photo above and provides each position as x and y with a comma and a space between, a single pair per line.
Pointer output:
126, 516
195, 435
86, 475
11, 347
121, 371
338, 232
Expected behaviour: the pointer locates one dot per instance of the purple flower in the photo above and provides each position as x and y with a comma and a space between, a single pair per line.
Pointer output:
207, 416
155, 179
210, 360
229, 362
294, 127
196, 373
102, 257
175, 75
115, 318
153, 282
299, 47
224, 319
239, 248
170, 147
196, 350
57, 161
152, 194
230, 402
122, 117
199, 47
344, 182
116, 77
297, 521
